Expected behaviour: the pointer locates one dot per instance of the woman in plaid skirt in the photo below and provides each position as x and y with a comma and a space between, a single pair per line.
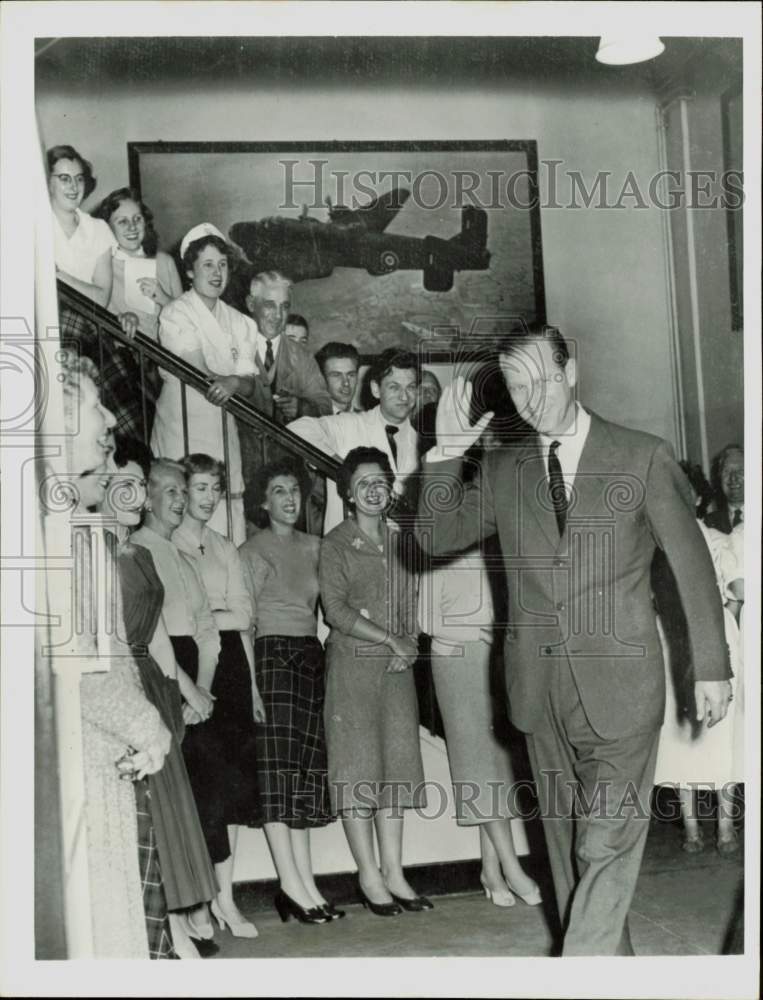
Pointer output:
281, 568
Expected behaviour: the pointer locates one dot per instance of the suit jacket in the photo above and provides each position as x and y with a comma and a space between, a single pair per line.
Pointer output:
585, 596
295, 371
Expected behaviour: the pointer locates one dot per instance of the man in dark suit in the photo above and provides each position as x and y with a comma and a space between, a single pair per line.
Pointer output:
728, 480
578, 509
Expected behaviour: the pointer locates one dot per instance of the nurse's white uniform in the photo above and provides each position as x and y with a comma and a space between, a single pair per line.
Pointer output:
225, 338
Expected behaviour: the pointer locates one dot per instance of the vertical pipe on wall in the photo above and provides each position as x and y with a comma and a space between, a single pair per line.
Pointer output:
691, 256
674, 342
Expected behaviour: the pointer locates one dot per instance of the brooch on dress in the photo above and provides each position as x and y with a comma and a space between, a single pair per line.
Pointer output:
357, 543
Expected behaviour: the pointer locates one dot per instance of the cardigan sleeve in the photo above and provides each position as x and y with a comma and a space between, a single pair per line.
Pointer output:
334, 582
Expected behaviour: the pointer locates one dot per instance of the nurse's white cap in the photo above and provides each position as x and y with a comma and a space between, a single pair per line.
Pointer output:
203, 229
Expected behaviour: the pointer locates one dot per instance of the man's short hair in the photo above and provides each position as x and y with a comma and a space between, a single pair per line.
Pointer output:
296, 319
267, 278
393, 357
335, 349
517, 339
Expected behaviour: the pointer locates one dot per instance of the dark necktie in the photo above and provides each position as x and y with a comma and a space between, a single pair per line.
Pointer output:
269, 359
556, 488
391, 431
738, 517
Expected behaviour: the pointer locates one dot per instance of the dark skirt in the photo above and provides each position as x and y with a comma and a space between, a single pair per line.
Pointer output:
154, 899
187, 872
223, 791
291, 746
233, 724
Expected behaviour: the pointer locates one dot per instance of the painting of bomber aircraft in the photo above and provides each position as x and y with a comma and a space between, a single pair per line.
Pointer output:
306, 248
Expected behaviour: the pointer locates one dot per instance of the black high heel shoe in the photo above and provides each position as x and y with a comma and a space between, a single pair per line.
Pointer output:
332, 912
415, 905
287, 909
380, 909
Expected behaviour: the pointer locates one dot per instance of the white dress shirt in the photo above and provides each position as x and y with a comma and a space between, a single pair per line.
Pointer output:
339, 433
261, 345
571, 445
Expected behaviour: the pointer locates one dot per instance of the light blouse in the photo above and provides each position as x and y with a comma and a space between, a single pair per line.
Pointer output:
219, 566
78, 254
186, 609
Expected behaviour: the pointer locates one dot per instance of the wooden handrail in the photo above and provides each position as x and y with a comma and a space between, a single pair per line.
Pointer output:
237, 406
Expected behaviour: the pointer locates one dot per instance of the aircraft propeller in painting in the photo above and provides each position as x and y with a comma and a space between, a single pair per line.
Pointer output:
306, 248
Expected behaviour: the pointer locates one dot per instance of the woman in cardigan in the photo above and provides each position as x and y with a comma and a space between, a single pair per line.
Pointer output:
145, 279
238, 704
371, 713
281, 566
196, 644
187, 873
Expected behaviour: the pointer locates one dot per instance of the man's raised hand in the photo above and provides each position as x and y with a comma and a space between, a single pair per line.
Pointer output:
455, 432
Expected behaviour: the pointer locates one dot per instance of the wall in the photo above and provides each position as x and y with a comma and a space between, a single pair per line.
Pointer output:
605, 270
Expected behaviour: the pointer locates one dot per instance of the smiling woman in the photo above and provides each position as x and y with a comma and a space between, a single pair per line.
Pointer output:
281, 567
145, 278
218, 340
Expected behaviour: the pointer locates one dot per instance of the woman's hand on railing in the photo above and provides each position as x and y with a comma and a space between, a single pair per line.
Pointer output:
221, 390
129, 323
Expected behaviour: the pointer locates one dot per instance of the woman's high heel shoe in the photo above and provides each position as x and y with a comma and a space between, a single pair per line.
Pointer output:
499, 897
204, 932
287, 909
379, 909
332, 912
415, 905
242, 929
531, 898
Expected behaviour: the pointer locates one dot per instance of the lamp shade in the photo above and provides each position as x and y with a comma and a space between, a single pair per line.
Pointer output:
633, 49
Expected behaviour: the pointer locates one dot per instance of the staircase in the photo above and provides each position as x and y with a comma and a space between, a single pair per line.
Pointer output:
99, 336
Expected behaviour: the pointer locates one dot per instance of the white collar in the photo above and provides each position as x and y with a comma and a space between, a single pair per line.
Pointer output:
380, 417
575, 436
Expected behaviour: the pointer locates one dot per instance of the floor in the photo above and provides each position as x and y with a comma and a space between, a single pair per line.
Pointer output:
684, 905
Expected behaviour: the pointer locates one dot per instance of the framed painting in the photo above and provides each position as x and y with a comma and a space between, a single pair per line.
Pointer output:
432, 245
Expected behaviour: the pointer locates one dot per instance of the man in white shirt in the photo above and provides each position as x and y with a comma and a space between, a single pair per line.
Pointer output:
393, 380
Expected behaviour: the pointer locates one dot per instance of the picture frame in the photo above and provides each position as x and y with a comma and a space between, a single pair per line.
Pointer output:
435, 246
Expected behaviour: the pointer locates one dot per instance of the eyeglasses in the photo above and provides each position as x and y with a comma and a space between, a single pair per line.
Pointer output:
68, 179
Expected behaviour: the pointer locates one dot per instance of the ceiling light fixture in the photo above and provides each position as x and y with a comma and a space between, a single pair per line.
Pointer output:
624, 51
